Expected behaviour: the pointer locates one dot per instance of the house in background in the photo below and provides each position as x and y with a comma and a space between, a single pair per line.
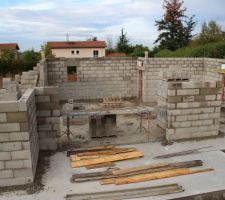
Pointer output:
78, 49
10, 46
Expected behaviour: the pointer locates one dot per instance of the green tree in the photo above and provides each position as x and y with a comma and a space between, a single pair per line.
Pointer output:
30, 58
175, 27
211, 32
139, 50
47, 51
123, 43
7, 55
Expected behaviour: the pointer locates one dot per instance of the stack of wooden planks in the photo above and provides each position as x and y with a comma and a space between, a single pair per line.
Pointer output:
104, 156
141, 173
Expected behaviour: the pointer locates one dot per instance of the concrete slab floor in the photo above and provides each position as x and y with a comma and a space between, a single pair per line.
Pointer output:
57, 177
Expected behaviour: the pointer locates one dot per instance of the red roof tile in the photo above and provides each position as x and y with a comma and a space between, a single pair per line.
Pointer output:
116, 54
9, 46
77, 44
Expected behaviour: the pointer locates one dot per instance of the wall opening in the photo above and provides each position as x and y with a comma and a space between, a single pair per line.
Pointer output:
72, 73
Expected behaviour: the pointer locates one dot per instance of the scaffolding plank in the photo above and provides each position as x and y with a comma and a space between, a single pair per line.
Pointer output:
110, 158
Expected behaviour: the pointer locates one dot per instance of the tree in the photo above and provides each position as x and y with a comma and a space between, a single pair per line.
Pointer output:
123, 43
47, 51
92, 39
109, 42
175, 27
210, 32
30, 58
7, 55
139, 50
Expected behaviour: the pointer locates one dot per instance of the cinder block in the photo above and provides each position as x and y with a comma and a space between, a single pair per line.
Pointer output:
56, 113
9, 127
210, 97
3, 117
27, 163
188, 92
171, 92
21, 155
26, 172
54, 120
1, 165
14, 164
19, 136
12, 182
17, 117
188, 98
174, 99
4, 137
42, 99
43, 113
12, 146
9, 106
6, 174
5, 156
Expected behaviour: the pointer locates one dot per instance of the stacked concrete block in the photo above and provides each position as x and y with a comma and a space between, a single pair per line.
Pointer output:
193, 109
48, 117
153, 66
29, 79
96, 78
18, 141
10, 91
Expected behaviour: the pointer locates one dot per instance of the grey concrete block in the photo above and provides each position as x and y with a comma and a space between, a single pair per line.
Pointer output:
14, 164
9, 127
12, 146
6, 174
21, 155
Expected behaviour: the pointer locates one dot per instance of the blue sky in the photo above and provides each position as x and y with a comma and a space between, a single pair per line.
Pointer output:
32, 22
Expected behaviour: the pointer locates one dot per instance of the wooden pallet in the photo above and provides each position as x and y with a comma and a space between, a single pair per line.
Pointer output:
112, 102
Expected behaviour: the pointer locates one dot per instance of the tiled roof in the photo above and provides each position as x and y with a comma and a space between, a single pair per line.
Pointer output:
116, 54
9, 46
77, 44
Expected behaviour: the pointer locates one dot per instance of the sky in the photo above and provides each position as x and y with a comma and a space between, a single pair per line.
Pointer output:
30, 23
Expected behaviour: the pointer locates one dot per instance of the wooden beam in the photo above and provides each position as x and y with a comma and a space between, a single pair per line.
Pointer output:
152, 176
106, 152
110, 158
97, 148
157, 167
101, 165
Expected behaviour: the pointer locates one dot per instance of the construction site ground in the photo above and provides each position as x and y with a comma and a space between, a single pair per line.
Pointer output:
56, 178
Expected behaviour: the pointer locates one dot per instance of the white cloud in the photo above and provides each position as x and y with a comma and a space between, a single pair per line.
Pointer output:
42, 20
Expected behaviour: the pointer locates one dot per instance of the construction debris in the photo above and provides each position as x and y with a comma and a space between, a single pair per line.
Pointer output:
128, 193
116, 173
181, 153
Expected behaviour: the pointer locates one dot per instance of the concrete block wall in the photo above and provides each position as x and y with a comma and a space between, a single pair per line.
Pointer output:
96, 78
152, 67
29, 79
18, 140
48, 117
193, 109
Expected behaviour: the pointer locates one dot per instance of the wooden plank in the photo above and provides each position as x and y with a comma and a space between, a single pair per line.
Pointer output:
153, 176
96, 148
157, 167
128, 193
110, 158
133, 169
181, 153
101, 165
107, 152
